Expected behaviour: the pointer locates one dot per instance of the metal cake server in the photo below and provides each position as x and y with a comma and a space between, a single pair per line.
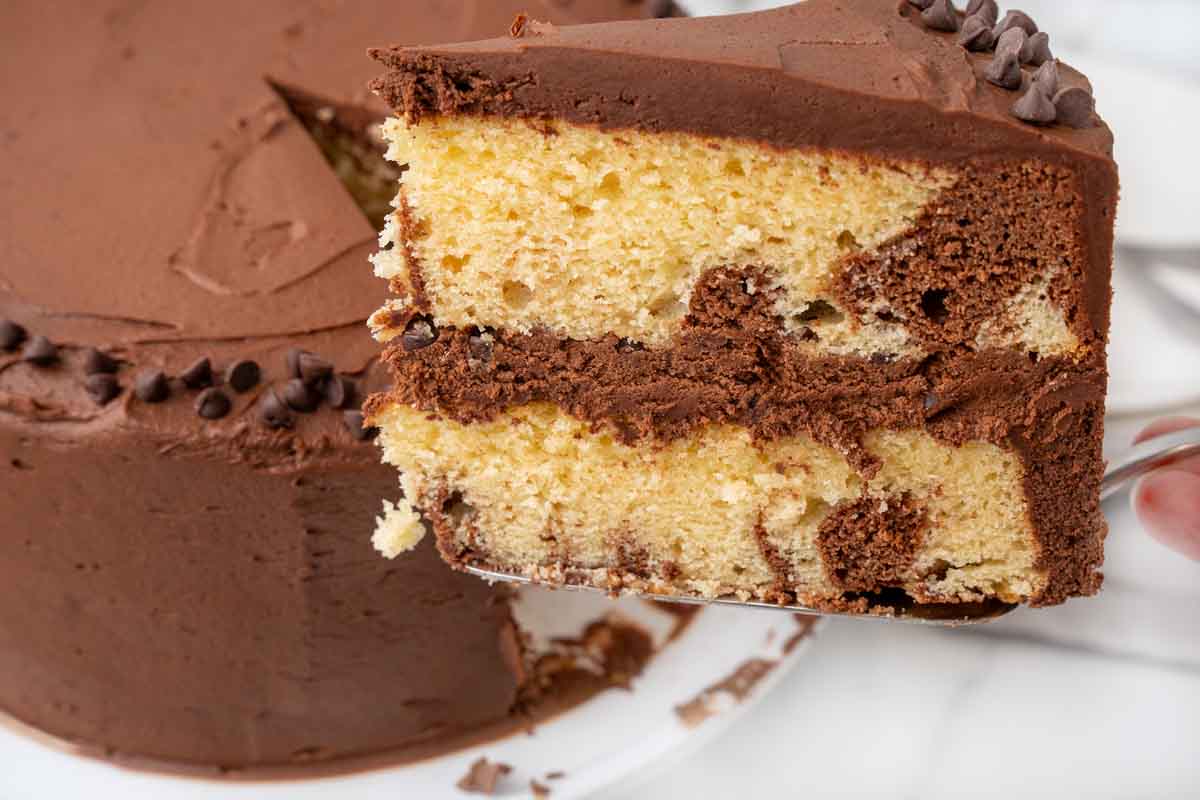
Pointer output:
1122, 472
1186, 257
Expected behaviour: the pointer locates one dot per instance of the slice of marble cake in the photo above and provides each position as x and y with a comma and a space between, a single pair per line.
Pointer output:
803, 305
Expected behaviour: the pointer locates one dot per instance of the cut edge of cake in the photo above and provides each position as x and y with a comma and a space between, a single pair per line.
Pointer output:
892, 379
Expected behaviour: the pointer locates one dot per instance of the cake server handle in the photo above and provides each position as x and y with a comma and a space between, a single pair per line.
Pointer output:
1140, 460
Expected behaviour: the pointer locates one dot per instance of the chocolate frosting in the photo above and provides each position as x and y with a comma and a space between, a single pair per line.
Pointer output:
235, 227
840, 74
860, 76
733, 363
204, 590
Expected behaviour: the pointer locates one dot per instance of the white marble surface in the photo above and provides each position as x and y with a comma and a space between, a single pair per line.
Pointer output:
881, 710
1099, 698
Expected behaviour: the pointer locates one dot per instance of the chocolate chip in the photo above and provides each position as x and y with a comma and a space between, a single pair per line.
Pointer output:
273, 412
629, 345
1011, 41
40, 351
151, 387
480, 344
1016, 19
96, 362
212, 404
658, 9
988, 10
921, 4
300, 396
242, 376
339, 391
1075, 106
976, 35
312, 369
1036, 50
930, 400
941, 16
1004, 71
103, 387
11, 335
420, 332
199, 375
355, 424
819, 310
1046, 78
293, 361
1035, 106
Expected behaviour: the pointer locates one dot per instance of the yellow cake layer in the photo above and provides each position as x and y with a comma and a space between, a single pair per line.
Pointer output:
537, 488
587, 232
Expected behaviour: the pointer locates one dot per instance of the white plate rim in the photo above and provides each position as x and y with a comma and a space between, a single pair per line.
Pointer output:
708, 651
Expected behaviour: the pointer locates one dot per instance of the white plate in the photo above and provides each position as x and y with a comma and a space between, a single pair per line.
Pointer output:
610, 739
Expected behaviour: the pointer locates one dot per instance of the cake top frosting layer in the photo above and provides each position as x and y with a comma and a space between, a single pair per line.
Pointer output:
865, 75
162, 201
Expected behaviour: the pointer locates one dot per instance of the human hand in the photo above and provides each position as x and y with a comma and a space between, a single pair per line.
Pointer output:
1168, 501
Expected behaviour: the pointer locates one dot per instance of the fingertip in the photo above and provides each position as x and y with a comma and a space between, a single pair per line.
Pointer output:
1168, 504
1166, 425
1161, 427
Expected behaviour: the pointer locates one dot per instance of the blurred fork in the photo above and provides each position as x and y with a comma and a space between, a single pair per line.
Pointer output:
1122, 472
1185, 257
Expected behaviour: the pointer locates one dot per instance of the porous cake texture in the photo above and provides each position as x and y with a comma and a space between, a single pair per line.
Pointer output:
716, 513
781, 306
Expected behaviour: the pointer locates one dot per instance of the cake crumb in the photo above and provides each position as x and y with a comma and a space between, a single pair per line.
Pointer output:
399, 530
483, 776
734, 689
805, 624
540, 790
517, 29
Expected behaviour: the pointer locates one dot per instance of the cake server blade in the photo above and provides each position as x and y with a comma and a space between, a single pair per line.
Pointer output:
943, 614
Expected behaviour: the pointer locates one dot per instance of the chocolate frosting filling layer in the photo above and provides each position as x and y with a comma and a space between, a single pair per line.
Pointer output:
732, 363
